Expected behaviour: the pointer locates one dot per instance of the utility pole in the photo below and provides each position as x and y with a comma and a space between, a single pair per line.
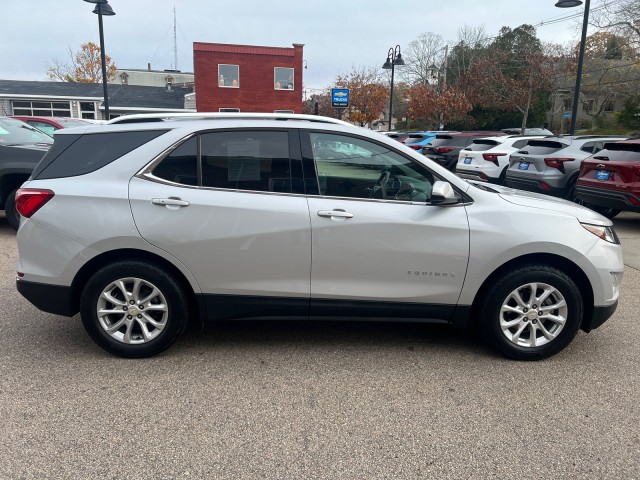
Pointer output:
175, 41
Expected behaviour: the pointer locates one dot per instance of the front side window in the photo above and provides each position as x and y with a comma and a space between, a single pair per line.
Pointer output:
357, 168
228, 76
246, 160
283, 78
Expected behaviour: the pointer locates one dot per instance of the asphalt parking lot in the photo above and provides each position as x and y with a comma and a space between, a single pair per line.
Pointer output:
291, 400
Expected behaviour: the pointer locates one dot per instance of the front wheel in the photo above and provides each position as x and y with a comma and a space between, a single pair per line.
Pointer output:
133, 309
532, 313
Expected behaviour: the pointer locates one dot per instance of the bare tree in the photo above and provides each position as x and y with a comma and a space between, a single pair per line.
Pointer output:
621, 17
471, 42
420, 55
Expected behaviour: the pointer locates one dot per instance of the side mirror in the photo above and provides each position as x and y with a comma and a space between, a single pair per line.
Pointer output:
443, 193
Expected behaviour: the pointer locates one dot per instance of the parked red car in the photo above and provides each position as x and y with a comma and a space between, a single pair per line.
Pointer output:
609, 181
49, 125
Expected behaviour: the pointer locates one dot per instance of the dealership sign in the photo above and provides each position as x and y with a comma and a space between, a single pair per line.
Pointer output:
340, 97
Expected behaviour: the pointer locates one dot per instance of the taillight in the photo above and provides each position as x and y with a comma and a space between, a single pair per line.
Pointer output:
415, 147
636, 170
557, 162
443, 149
493, 157
30, 200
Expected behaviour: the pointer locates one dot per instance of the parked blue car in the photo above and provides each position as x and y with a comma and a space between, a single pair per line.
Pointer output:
417, 140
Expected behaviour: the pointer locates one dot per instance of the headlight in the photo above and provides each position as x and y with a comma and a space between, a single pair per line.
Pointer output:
605, 233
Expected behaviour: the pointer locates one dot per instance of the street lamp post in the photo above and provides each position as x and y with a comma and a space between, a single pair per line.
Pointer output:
394, 57
585, 23
103, 8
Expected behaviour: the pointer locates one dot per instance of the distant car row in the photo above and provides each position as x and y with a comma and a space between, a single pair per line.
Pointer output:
601, 172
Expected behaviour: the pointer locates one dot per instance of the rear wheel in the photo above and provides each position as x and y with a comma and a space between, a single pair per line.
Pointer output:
532, 313
13, 217
133, 309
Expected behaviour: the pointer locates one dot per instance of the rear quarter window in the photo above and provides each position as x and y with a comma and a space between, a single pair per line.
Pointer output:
82, 154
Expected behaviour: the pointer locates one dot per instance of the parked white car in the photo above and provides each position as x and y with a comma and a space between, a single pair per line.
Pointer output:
141, 226
487, 159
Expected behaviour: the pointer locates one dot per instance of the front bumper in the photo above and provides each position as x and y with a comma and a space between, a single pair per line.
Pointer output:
600, 315
56, 299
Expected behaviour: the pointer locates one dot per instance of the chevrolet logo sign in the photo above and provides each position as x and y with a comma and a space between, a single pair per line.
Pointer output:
340, 94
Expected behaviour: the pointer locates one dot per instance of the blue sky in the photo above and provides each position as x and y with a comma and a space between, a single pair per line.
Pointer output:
337, 34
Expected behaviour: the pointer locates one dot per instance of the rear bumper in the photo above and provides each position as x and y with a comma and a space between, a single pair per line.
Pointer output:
608, 198
56, 299
533, 186
600, 315
477, 175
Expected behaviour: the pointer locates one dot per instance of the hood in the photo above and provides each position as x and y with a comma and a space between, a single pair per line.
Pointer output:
547, 202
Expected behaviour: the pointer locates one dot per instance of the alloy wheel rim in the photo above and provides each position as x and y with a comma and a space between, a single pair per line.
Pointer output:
132, 310
533, 315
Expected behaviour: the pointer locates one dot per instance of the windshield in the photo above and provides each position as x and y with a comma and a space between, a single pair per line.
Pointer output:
15, 132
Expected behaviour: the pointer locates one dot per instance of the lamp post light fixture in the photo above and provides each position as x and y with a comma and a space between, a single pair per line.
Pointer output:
394, 58
583, 39
103, 8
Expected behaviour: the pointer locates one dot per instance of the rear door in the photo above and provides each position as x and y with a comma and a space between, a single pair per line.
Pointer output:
380, 249
230, 206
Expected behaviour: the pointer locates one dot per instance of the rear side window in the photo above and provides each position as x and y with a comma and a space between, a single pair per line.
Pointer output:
441, 140
88, 153
246, 160
519, 143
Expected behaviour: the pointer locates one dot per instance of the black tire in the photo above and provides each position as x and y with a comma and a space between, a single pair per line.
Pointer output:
173, 302
503, 175
501, 294
13, 217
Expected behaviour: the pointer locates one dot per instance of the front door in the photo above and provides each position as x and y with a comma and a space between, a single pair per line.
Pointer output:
380, 249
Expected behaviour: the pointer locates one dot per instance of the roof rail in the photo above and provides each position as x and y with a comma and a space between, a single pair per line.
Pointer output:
161, 117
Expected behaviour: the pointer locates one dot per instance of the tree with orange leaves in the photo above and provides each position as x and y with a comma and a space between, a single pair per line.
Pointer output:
85, 66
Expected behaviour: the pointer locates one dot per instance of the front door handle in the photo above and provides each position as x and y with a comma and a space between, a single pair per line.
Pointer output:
171, 201
334, 214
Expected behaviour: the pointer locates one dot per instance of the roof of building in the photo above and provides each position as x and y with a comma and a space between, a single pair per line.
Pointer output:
119, 95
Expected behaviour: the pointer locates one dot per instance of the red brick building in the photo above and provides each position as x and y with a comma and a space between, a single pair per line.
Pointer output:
247, 78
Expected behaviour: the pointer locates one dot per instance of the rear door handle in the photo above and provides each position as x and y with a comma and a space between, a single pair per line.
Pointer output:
170, 201
334, 214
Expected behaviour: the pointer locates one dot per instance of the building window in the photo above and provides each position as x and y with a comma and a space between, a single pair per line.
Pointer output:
233, 110
608, 106
283, 78
41, 109
283, 111
228, 76
88, 110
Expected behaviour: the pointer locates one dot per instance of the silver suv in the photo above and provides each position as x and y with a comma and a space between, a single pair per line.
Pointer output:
551, 165
141, 226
